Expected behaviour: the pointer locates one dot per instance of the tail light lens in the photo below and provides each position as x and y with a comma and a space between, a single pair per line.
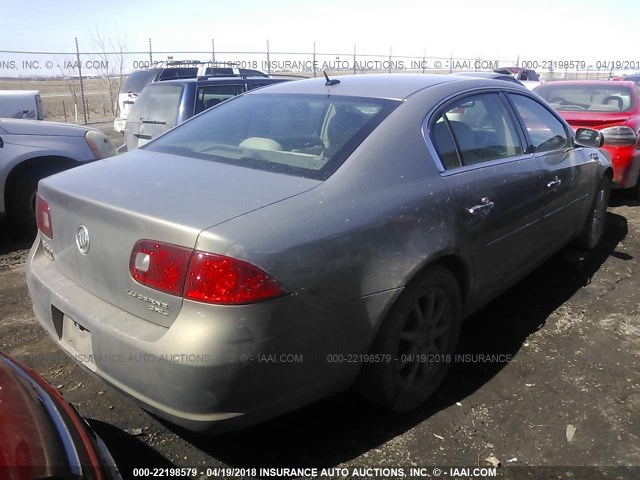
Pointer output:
200, 276
619, 136
160, 266
43, 217
228, 281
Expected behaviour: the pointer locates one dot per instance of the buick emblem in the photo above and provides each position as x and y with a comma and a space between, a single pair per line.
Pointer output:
82, 239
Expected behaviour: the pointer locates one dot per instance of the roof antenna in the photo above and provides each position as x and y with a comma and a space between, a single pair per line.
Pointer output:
330, 83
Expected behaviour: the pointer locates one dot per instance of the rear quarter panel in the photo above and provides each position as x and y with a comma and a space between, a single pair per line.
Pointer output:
347, 247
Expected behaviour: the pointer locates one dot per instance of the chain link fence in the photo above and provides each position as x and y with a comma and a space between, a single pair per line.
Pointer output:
83, 85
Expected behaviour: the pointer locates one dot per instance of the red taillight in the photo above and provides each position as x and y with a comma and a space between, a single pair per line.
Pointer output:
43, 217
200, 276
228, 281
160, 266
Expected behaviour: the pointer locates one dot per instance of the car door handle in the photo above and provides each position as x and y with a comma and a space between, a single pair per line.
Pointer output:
481, 209
554, 183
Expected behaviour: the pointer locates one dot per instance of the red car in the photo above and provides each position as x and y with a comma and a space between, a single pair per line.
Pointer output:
41, 435
611, 107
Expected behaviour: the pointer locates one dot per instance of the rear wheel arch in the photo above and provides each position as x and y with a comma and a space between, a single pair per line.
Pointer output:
422, 323
25, 176
36, 164
456, 266
451, 262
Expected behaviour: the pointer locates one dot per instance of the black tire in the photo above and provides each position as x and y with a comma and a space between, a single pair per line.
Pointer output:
595, 223
419, 336
22, 199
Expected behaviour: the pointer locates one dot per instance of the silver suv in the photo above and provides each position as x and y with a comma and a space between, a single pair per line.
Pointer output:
170, 70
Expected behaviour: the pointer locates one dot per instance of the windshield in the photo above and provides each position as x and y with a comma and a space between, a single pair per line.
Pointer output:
597, 98
303, 135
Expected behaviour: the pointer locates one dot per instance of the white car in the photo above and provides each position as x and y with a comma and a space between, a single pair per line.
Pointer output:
31, 150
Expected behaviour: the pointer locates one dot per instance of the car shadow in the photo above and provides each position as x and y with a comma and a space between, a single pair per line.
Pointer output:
127, 451
624, 198
343, 427
12, 239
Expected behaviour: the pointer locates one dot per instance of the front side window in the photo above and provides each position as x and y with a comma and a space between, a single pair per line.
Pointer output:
546, 132
475, 129
159, 104
304, 135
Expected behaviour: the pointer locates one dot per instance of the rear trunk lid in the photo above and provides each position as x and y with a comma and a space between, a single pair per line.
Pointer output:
596, 120
147, 195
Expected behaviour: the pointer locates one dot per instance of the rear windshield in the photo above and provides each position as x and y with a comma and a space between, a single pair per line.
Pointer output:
137, 80
608, 97
159, 104
303, 135
182, 72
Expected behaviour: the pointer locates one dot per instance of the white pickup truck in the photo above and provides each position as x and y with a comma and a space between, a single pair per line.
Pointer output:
21, 104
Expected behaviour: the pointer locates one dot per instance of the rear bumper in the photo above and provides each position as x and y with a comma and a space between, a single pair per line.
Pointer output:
214, 369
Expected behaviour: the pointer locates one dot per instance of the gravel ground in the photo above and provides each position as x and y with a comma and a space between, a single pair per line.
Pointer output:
566, 394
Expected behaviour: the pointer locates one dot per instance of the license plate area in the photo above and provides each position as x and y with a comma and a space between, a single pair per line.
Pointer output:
77, 340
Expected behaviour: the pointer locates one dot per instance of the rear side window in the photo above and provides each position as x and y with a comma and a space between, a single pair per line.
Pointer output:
303, 135
545, 131
211, 95
475, 129
159, 104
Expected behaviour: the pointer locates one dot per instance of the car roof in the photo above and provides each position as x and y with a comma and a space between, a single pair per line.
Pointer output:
388, 85
589, 82
216, 79
494, 75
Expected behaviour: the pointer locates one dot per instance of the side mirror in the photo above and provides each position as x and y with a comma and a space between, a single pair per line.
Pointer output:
587, 137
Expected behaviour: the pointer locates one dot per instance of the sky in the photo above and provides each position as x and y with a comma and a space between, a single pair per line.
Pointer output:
540, 30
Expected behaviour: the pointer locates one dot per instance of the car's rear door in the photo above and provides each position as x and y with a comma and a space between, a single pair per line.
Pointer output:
496, 187
568, 172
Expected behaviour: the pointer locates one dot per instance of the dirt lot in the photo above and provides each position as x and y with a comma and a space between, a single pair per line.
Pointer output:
569, 335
